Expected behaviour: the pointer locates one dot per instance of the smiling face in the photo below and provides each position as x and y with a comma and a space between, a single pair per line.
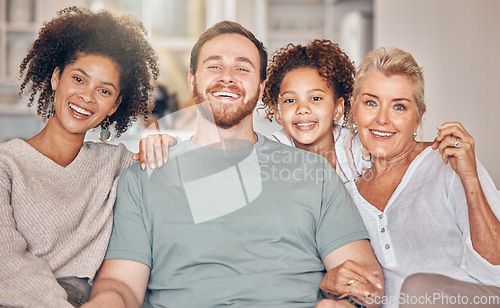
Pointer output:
307, 107
386, 114
227, 79
86, 92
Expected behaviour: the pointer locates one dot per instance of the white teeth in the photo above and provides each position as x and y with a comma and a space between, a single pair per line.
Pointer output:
80, 110
306, 124
381, 134
225, 94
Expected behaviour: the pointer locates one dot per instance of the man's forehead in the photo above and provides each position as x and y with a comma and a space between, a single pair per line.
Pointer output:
232, 46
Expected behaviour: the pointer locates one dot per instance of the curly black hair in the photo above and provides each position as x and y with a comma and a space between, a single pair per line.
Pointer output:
332, 63
78, 31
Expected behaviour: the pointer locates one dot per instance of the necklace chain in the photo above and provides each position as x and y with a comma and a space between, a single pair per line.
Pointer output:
393, 165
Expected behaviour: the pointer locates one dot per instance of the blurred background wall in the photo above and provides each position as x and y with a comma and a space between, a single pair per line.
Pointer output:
456, 41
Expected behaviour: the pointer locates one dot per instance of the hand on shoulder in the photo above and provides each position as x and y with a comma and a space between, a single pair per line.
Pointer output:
457, 147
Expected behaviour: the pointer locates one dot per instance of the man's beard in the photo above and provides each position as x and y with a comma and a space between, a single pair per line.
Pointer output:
224, 115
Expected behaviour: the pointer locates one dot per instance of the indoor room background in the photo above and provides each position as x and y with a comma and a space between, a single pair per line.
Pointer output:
456, 42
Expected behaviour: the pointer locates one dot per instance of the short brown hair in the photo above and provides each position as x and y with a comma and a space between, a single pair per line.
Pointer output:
228, 27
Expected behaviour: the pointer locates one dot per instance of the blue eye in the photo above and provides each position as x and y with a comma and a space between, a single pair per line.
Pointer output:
400, 107
370, 103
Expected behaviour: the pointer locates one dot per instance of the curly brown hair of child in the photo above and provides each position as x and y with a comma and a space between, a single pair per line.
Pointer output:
332, 63
78, 31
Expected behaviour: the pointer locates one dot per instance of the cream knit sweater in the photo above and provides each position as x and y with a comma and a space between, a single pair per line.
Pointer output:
54, 221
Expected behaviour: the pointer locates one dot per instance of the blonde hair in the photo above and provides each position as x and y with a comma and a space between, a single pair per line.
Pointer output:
392, 61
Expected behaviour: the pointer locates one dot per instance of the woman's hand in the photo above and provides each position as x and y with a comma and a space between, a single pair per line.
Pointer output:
154, 145
456, 146
484, 225
350, 278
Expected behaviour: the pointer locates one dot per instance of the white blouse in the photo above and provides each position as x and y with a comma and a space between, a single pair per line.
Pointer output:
425, 226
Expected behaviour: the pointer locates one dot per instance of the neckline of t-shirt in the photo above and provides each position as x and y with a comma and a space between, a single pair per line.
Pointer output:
190, 145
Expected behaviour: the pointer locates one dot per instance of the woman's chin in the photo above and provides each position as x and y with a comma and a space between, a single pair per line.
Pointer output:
378, 153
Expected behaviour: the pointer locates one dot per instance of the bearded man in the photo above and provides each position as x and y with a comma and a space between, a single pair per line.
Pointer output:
233, 219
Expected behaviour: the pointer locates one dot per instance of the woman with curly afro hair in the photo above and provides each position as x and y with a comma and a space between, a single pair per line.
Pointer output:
86, 69
307, 89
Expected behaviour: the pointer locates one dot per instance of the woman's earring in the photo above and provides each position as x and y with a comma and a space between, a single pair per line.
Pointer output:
355, 127
105, 134
50, 110
415, 136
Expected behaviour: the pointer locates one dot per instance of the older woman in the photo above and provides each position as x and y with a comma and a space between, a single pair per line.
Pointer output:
423, 216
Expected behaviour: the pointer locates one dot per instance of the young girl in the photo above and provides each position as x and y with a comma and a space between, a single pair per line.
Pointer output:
307, 90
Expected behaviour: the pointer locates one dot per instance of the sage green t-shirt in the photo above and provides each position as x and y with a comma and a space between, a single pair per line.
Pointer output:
241, 228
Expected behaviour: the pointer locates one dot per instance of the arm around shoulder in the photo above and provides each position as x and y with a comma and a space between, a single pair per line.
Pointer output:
119, 283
